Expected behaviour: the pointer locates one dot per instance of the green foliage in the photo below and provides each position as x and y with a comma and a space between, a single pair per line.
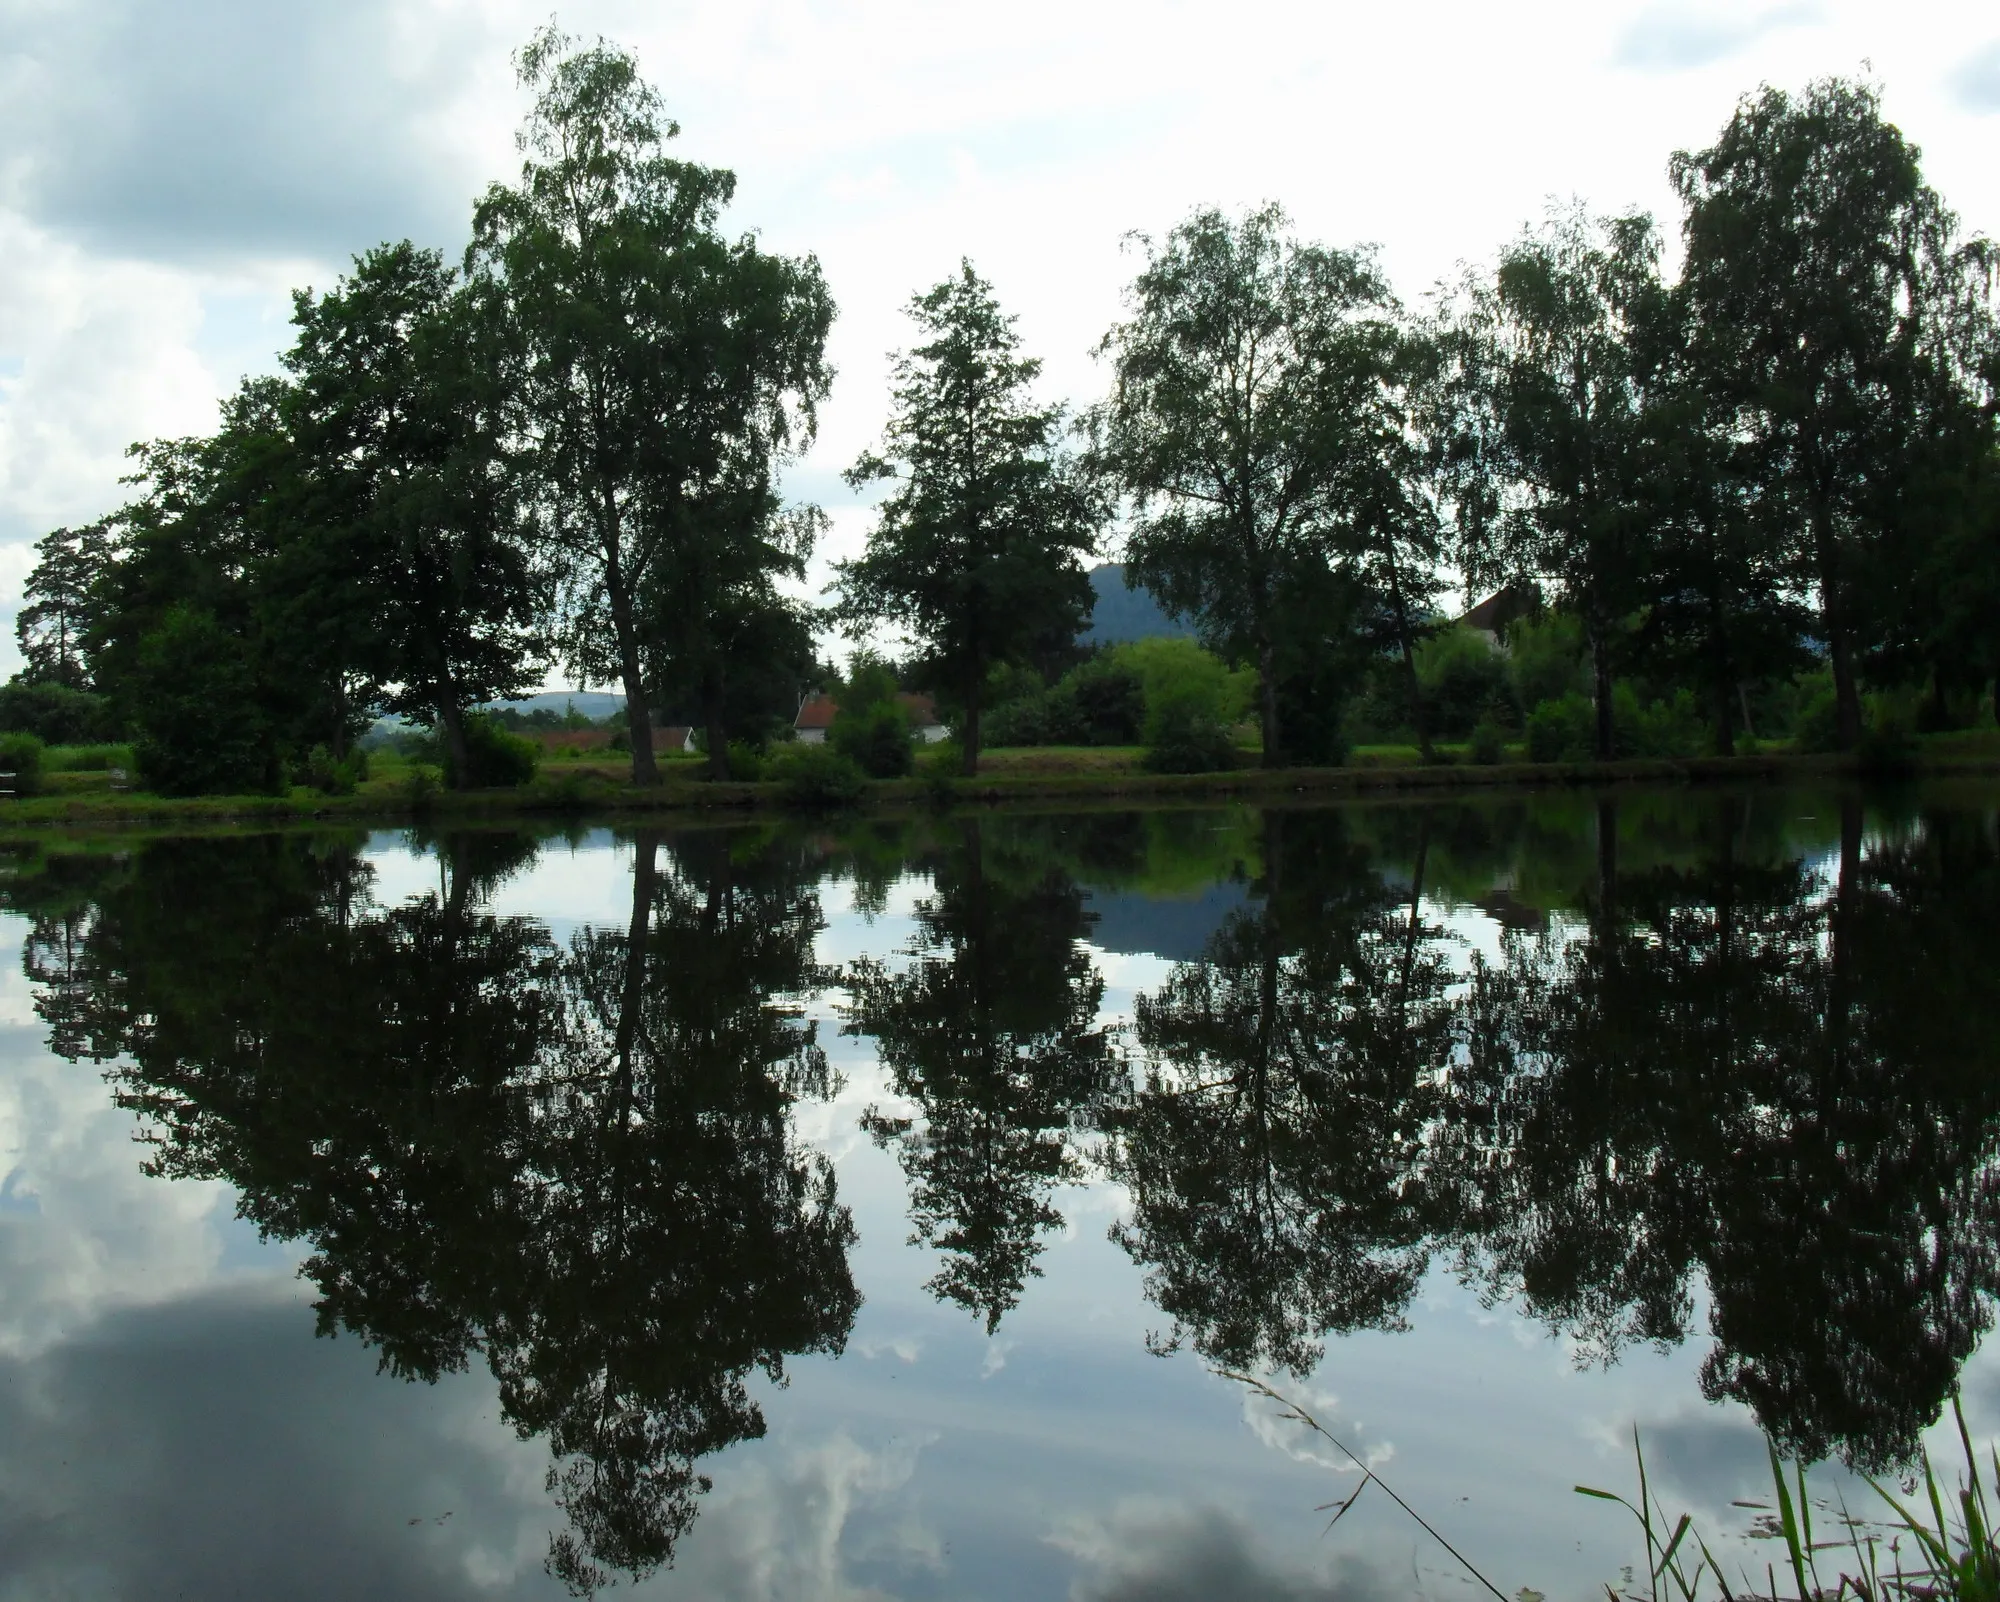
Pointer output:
1547, 658
1816, 719
1463, 680
1552, 378
55, 712
1243, 475
816, 776
1888, 743
1838, 318
21, 755
331, 776
1182, 737
1177, 673
1488, 746
194, 702
1101, 701
875, 738
86, 758
495, 758
977, 551
747, 762
660, 372
1668, 727
1563, 730
58, 608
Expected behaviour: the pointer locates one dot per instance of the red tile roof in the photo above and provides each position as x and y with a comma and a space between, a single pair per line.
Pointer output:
815, 712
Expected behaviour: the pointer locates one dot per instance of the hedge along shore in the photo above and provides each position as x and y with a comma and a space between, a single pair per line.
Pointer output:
600, 796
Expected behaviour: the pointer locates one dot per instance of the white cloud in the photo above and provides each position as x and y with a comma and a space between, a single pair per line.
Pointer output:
1673, 37
1977, 81
172, 170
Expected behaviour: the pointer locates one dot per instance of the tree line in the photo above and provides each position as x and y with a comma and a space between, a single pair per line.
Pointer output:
567, 450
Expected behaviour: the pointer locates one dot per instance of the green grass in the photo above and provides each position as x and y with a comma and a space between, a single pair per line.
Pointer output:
78, 796
86, 758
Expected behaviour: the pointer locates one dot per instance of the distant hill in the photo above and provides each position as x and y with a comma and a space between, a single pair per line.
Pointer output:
594, 704
1122, 613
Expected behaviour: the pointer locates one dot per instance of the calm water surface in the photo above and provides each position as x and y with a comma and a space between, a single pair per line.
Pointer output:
872, 1210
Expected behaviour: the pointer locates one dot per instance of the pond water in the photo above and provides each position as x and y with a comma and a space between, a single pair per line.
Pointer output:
879, 1209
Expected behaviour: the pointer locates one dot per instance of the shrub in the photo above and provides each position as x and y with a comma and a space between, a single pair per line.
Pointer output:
86, 758
1489, 743
1177, 675
1107, 701
194, 701
940, 769
331, 777
816, 776
56, 713
1185, 739
494, 758
21, 755
1462, 679
1563, 730
1888, 736
1545, 658
1816, 725
876, 739
746, 761
1669, 728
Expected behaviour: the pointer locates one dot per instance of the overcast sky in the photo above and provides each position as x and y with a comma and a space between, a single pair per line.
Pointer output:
169, 173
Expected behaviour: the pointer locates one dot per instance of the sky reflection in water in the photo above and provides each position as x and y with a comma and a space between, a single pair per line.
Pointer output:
802, 1205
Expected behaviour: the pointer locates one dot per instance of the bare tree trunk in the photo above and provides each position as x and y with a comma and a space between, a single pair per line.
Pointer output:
715, 731
638, 719
457, 757
1833, 616
968, 757
1600, 674
1267, 696
1416, 690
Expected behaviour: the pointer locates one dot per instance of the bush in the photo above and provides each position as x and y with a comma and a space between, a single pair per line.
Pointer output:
1489, 743
1888, 736
86, 758
331, 777
21, 755
876, 739
1563, 730
1107, 702
817, 776
494, 758
746, 762
1546, 658
1185, 739
1670, 728
56, 713
1816, 725
194, 701
1462, 679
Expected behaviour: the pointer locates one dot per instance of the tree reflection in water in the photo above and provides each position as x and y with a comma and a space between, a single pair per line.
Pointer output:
574, 1161
991, 1029
1712, 1062
1770, 1076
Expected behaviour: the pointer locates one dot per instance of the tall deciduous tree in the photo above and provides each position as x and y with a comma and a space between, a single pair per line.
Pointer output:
1243, 382
977, 550
56, 605
405, 505
656, 362
1822, 272
1552, 369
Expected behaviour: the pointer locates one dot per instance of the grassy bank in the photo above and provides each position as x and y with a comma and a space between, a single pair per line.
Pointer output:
81, 797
